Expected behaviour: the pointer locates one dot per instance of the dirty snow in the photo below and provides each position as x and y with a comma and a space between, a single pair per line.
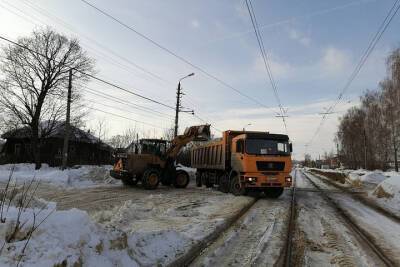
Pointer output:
158, 234
81, 176
388, 193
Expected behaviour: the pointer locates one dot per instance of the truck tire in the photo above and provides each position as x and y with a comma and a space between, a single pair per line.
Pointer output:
205, 180
273, 192
224, 183
129, 181
182, 179
151, 179
198, 180
237, 188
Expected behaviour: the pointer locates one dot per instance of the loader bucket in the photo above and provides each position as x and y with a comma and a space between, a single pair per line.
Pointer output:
202, 132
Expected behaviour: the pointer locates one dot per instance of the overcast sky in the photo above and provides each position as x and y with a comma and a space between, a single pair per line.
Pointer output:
313, 46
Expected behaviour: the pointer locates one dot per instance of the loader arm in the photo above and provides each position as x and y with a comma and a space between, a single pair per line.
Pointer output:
200, 132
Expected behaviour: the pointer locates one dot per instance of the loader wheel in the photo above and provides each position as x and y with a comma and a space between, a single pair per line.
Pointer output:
273, 192
151, 179
224, 183
129, 181
181, 179
237, 188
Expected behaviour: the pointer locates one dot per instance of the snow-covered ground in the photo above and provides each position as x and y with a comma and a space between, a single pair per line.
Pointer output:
383, 188
384, 230
322, 238
81, 176
93, 224
65, 237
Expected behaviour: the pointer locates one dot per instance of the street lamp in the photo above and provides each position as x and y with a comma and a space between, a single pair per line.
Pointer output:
178, 104
244, 127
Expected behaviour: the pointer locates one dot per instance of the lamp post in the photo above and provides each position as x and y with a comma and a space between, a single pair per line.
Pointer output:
244, 127
178, 103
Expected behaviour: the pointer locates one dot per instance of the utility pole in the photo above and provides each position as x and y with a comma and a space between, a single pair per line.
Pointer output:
66, 134
178, 105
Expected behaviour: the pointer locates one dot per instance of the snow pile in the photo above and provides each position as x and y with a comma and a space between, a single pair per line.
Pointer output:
68, 238
81, 176
388, 192
375, 177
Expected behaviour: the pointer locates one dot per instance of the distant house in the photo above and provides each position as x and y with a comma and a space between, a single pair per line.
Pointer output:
84, 148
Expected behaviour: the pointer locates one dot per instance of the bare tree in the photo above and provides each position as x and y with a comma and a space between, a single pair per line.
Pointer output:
124, 140
33, 89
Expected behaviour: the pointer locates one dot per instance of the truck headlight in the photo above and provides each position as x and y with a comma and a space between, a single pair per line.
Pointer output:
251, 179
288, 179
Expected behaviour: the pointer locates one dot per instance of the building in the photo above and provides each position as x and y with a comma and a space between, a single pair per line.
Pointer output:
84, 148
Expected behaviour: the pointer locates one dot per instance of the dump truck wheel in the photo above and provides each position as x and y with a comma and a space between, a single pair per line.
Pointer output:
237, 188
198, 180
273, 192
182, 179
224, 183
151, 179
129, 181
205, 180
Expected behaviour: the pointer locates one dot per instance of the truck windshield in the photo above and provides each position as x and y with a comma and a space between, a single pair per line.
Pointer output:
266, 147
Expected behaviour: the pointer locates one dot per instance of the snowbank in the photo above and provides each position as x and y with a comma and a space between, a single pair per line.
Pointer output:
388, 193
82, 176
65, 237
373, 177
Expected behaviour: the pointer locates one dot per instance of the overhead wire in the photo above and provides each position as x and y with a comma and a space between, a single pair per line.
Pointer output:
206, 73
93, 76
372, 44
72, 29
265, 60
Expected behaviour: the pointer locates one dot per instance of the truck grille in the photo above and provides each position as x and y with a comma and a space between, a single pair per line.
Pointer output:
270, 166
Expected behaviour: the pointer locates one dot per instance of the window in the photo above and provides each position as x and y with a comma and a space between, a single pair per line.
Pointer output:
267, 147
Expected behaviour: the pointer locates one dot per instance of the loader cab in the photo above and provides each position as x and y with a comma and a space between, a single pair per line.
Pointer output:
152, 146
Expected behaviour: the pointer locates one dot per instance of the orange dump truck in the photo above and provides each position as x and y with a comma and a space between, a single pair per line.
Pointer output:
242, 160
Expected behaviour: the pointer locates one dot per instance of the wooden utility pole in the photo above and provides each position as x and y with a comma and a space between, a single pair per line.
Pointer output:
67, 126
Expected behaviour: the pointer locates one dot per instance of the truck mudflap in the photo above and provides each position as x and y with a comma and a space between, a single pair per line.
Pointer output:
120, 174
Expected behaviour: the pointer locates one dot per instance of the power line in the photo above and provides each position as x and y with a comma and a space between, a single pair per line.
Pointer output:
121, 101
174, 54
116, 115
381, 29
73, 29
93, 76
265, 59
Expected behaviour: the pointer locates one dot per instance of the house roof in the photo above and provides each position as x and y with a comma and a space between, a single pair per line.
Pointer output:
76, 134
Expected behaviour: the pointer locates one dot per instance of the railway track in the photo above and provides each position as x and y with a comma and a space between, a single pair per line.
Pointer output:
257, 238
356, 230
358, 196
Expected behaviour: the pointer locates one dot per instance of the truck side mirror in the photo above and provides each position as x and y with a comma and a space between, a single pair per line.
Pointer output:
290, 147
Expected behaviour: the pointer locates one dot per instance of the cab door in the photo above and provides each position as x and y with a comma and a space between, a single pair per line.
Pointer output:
237, 155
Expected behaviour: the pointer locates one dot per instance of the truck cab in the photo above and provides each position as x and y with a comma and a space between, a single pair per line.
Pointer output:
262, 160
